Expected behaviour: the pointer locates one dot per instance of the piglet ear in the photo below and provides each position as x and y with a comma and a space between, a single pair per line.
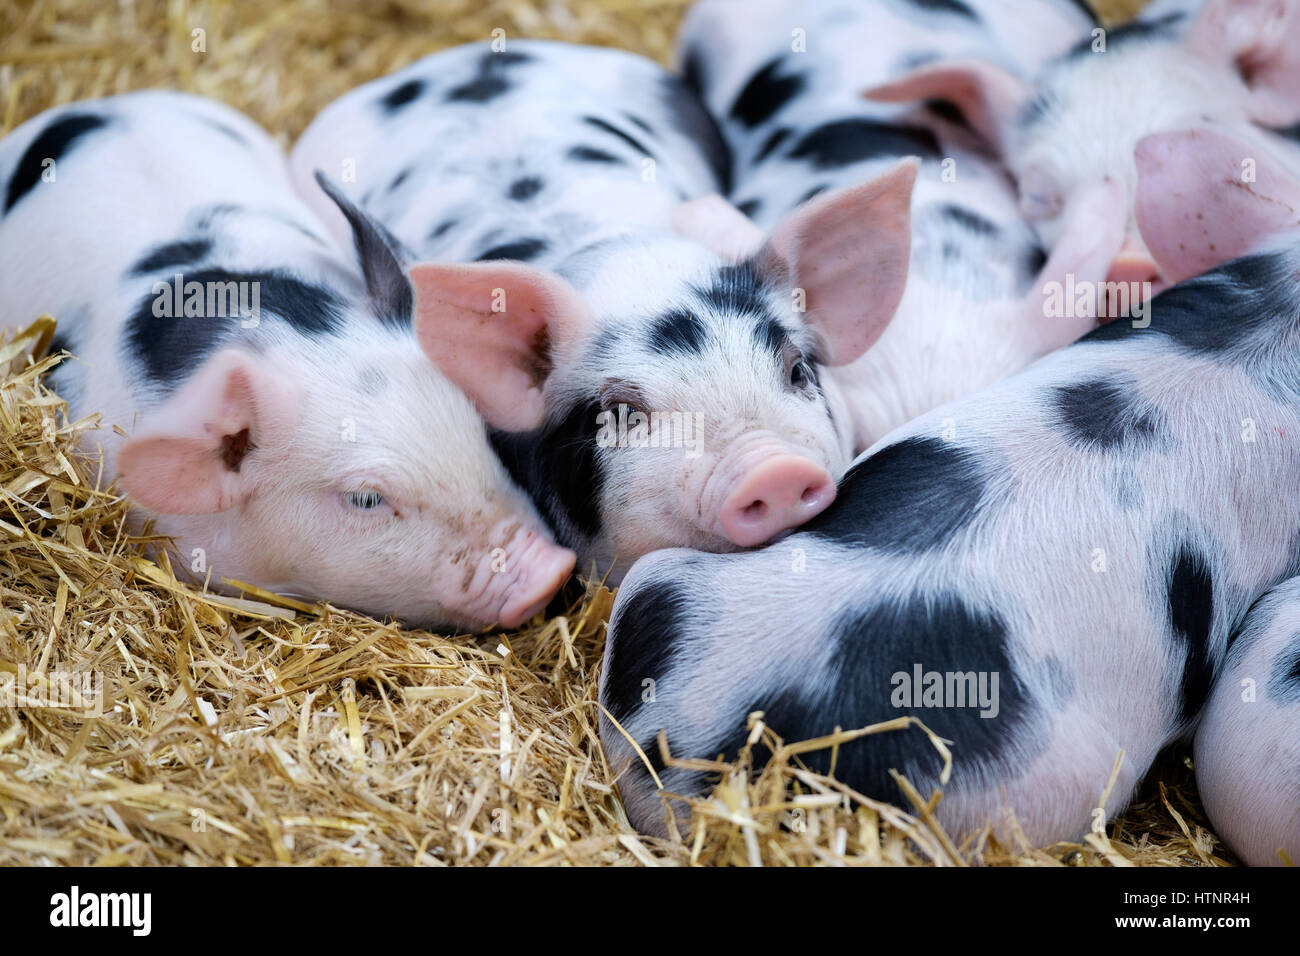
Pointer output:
1204, 197
379, 254
719, 226
489, 326
196, 453
1261, 39
848, 251
989, 96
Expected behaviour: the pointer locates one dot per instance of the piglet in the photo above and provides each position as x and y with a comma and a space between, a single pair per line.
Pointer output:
784, 80
1247, 747
670, 395
1045, 573
283, 419
1235, 63
1198, 206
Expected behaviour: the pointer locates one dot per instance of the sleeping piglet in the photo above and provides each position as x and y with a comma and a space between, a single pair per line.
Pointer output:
1198, 209
1235, 63
1248, 743
282, 417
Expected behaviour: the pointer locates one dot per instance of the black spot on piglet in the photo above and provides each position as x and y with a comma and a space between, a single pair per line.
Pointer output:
172, 255
767, 91
525, 188
955, 7
481, 89
649, 628
590, 154
399, 96
1190, 592
169, 347
1284, 681
560, 469
842, 142
908, 497
490, 82
1103, 415
676, 332
872, 679
613, 130
520, 249
53, 143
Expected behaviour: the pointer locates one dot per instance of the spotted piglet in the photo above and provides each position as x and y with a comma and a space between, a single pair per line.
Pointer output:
1196, 208
675, 396
1235, 63
785, 78
1044, 573
282, 420
1248, 744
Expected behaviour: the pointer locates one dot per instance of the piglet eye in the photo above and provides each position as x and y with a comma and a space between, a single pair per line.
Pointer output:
800, 375
363, 500
616, 393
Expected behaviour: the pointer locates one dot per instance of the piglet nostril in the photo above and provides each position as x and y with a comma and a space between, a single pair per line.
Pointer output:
777, 494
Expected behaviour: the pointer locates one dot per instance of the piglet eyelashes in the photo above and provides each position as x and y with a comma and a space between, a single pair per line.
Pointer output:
616, 392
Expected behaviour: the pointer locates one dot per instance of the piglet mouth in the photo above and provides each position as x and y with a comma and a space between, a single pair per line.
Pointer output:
547, 571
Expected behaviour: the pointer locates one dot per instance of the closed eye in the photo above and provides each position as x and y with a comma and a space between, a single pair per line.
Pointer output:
363, 500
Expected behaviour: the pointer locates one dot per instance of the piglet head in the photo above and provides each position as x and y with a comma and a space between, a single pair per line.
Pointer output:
366, 481
676, 394
346, 469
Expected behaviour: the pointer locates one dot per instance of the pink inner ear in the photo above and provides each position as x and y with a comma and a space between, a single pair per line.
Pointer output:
1195, 207
849, 251
988, 96
490, 327
188, 455
719, 226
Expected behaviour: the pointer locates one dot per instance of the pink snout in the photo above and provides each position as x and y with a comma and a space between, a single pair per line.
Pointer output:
542, 569
777, 494
1133, 267
1136, 271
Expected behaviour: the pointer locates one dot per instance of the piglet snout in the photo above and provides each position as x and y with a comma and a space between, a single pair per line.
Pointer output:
776, 494
1133, 263
1133, 268
534, 569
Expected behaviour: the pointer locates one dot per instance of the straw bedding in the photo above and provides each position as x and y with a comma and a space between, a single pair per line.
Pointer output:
262, 731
